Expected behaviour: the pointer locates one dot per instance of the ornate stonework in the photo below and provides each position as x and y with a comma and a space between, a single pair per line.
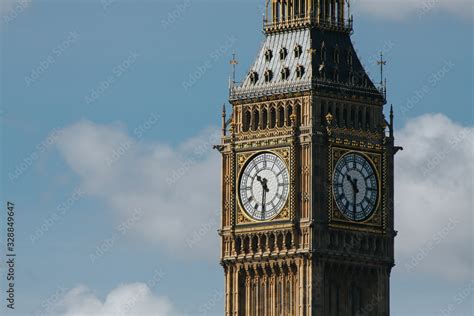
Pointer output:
308, 259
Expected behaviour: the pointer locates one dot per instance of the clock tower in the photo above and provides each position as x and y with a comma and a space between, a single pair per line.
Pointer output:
307, 173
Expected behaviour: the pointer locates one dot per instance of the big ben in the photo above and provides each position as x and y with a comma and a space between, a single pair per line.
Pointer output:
307, 173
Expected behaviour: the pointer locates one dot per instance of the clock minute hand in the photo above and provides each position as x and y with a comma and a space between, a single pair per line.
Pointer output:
263, 182
354, 202
355, 190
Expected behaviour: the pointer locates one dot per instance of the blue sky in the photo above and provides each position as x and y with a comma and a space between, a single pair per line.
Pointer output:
106, 107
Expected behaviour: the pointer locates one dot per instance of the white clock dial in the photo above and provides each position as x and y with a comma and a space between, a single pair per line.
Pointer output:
264, 186
355, 187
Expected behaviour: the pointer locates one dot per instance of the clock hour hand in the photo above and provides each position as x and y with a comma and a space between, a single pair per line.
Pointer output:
349, 178
355, 190
264, 197
263, 182
354, 207
353, 183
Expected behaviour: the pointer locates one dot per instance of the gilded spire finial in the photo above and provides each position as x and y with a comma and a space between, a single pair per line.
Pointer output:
381, 63
293, 119
233, 62
329, 119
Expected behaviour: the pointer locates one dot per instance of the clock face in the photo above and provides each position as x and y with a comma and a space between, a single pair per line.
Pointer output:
355, 187
264, 186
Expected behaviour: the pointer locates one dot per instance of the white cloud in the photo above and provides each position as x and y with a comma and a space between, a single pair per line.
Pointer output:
10, 9
134, 299
175, 189
434, 197
401, 9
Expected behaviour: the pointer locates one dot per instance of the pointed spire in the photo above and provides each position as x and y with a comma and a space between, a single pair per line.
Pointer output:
224, 129
391, 120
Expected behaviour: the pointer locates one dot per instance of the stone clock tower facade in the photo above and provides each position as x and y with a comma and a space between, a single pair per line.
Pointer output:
307, 173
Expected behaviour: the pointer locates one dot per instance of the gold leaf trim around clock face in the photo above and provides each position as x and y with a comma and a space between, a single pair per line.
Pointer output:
375, 222
241, 219
242, 159
284, 214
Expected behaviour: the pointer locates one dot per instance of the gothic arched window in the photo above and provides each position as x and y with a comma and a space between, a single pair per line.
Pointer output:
298, 115
283, 53
268, 75
367, 119
289, 112
264, 118
272, 117
298, 51
255, 119
246, 120
285, 73
281, 116
268, 55
352, 116
349, 58
299, 71
253, 77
